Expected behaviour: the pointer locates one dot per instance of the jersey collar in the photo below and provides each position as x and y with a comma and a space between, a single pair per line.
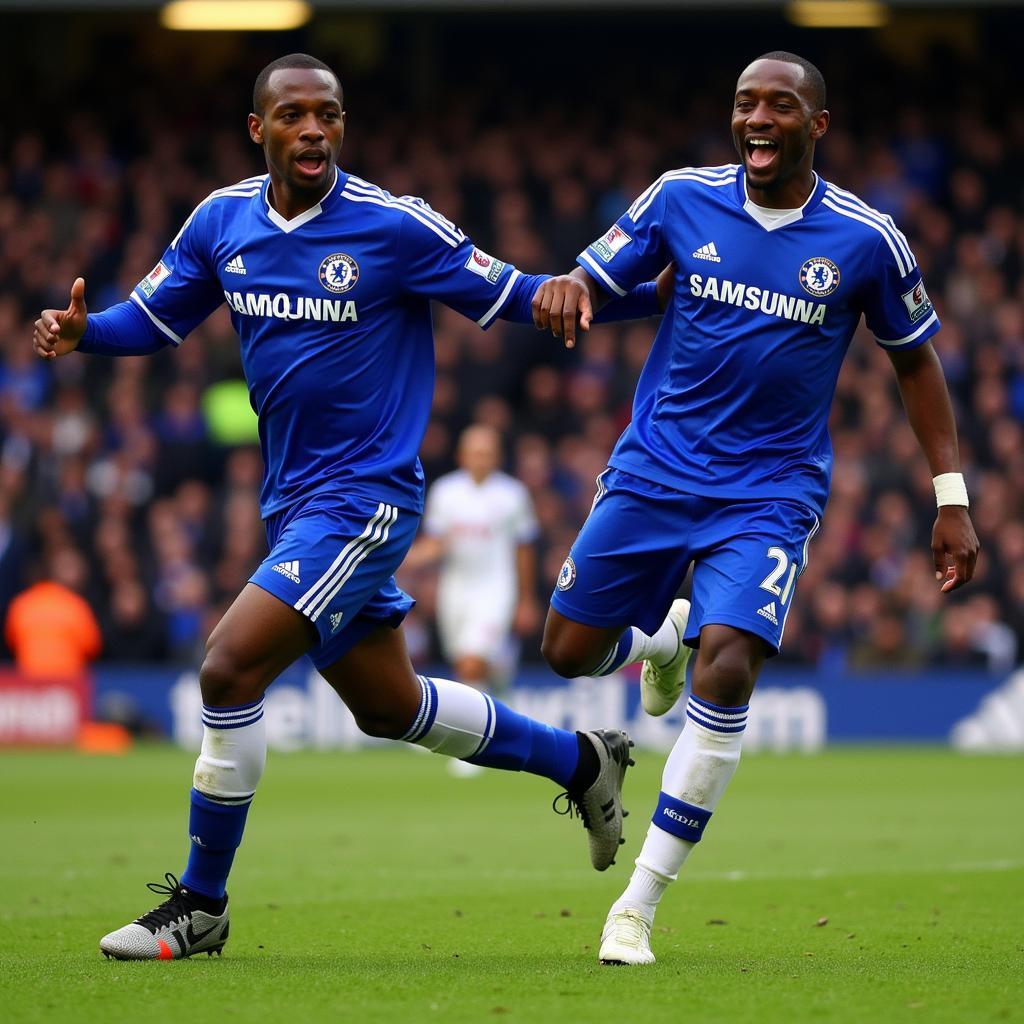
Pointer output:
773, 224
288, 226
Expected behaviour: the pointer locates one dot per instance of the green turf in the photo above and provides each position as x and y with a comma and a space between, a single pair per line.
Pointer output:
861, 886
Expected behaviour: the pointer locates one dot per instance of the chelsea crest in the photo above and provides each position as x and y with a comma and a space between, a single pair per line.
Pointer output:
339, 272
567, 575
819, 277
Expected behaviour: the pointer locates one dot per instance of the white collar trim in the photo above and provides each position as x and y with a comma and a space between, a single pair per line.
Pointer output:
770, 219
288, 226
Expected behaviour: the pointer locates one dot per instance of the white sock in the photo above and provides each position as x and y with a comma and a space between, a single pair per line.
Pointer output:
660, 648
233, 754
635, 645
644, 891
454, 719
702, 762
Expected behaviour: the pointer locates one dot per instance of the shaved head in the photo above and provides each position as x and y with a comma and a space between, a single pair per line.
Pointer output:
292, 60
813, 81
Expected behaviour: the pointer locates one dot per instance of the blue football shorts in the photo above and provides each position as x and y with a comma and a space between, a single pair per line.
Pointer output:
640, 538
333, 559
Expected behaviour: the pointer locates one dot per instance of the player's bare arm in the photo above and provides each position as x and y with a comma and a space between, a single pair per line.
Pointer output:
425, 552
663, 286
926, 399
527, 614
58, 331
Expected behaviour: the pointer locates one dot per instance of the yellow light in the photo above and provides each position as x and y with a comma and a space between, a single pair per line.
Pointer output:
235, 15
837, 13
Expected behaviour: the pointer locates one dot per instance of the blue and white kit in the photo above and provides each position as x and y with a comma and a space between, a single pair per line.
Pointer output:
332, 309
733, 402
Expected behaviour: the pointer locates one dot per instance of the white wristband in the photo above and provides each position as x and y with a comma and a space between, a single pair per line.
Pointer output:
950, 489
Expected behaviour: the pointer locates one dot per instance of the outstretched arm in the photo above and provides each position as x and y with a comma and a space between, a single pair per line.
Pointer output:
121, 330
926, 399
572, 302
539, 298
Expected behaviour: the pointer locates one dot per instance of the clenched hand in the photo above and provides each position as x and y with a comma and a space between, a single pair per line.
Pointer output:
58, 331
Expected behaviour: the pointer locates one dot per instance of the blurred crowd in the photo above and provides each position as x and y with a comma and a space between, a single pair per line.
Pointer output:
118, 478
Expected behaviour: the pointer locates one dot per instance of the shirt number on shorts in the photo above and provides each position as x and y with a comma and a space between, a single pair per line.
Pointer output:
782, 565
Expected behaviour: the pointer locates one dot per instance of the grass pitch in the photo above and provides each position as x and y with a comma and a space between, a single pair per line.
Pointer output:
867, 885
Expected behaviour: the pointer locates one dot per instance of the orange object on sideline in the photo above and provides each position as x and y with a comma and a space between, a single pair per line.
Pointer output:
52, 632
103, 738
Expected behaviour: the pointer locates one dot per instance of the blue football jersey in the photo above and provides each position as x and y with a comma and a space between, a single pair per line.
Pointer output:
734, 398
332, 309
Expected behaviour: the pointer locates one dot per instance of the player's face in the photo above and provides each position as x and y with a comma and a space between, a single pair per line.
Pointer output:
479, 454
301, 129
775, 125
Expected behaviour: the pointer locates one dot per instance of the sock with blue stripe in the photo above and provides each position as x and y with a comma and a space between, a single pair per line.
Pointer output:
701, 765
227, 772
635, 645
463, 722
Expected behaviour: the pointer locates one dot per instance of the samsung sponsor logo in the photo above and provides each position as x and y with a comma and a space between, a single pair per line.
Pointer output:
786, 307
288, 307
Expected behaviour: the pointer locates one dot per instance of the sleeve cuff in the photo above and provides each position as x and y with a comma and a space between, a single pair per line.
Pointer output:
589, 264
918, 337
488, 318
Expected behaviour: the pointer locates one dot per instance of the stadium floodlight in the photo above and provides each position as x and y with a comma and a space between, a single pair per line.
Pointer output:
837, 13
235, 15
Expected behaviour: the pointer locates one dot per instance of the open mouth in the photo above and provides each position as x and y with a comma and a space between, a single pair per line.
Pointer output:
311, 162
761, 151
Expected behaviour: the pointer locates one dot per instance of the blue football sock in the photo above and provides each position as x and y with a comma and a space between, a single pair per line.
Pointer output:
461, 722
521, 744
618, 655
215, 830
635, 645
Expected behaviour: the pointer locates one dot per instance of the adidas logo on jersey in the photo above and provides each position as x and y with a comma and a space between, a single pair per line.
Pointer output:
768, 612
707, 252
336, 621
235, 266
289, 569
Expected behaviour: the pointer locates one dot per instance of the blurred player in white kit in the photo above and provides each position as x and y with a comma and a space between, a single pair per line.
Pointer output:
479, 526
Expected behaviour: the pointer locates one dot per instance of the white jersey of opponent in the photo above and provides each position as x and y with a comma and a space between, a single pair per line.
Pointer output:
481, 526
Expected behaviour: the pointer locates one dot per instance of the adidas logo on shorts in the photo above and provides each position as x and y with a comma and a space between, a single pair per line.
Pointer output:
289, 569
336, 621
768, 612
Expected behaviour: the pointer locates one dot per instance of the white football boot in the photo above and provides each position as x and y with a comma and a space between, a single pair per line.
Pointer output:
660, 686
626, 940
174, 930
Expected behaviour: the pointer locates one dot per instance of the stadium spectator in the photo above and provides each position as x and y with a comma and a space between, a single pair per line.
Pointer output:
479, 527
50, 628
